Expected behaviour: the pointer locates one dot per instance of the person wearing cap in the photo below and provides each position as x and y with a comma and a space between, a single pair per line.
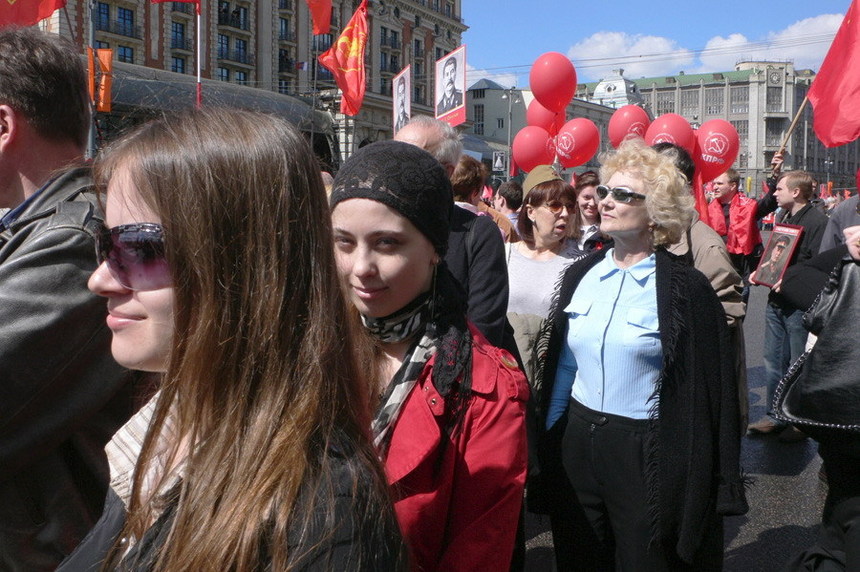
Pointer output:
450, 419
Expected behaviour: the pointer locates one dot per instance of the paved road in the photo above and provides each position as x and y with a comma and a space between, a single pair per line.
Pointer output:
785, 501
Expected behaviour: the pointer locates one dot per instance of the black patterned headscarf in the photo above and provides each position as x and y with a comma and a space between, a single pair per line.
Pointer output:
412, 182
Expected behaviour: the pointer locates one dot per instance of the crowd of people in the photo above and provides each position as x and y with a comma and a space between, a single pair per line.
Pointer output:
217, 361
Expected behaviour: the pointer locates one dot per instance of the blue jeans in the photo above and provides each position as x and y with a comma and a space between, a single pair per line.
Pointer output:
784, 342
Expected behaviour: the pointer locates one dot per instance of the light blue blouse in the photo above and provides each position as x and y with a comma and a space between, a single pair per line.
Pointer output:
612, 356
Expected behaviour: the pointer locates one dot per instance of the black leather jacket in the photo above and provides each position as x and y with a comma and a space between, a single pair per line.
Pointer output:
63, 395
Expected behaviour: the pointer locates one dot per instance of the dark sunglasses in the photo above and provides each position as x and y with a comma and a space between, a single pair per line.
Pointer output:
134, 254
619, 194
555, 207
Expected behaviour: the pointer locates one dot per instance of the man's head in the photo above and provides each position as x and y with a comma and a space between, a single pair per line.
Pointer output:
779, 248
436, 137
726, 186
43, 81
683, 162
509, 198
449, 73
401, 92
794, 190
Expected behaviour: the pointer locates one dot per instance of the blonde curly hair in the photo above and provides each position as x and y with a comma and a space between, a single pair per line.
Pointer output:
668, 200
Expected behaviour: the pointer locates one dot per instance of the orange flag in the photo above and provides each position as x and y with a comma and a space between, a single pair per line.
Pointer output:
345, 59
320, 15
27, 12
835, 91
100, 77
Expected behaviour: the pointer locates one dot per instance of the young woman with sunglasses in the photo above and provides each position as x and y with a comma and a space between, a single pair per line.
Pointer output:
639, 366
450, 409
218, 271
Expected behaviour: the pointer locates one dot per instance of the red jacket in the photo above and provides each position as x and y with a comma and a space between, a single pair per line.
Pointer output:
458, 504
743, 233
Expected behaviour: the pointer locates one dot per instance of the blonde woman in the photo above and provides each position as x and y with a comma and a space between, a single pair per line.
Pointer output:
639, 366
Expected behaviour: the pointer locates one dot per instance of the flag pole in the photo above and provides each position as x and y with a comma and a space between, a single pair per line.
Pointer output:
199, 100
791, 129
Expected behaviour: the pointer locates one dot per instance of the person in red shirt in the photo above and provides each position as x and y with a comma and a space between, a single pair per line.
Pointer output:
735, 217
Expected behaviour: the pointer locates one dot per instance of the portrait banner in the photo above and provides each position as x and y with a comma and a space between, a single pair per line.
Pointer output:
451, 87
777, 254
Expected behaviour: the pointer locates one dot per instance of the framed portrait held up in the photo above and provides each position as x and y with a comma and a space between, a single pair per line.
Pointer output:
777, 254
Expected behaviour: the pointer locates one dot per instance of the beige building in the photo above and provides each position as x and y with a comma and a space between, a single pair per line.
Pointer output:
269, 45
760, 98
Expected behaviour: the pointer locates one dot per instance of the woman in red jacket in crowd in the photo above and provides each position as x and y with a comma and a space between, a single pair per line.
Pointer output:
450, 419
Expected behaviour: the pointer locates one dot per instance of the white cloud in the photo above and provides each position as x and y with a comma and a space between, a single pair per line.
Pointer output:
804, 42
596, 56
505, 79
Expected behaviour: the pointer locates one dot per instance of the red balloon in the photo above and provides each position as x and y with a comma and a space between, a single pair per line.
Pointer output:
577, 142
671, 128
553, 80
540, 116
533, 146
628, 122
717, 145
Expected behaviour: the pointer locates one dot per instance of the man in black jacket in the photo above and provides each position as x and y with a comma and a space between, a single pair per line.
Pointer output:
476, 253
784, 336
63, 395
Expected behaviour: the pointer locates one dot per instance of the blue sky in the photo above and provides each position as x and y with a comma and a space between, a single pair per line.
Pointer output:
647, 37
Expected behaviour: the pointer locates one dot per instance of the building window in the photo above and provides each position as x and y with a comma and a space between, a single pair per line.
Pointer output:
500, 123
177, 35
240, 13
285, 33
665, 102
773, 132
714, 101
223, 46
383, 36
242, 77
283, 86
177, 65
743, 128
100, 45
241, 48
125, 54
394, 40
690, 102
223, 74
478, 94
383, 62
774, 99
740, 98
103, 16
125, 21
418, 49
479, 119
439, 53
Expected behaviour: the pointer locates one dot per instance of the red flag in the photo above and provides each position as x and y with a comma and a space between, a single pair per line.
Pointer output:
27, 12
835, 91
320, 15
701, 201
345, 59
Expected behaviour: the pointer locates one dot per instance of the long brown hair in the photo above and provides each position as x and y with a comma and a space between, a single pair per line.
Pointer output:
263, 380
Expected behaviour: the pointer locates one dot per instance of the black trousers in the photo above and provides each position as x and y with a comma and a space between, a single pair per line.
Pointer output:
838, 545
603, 456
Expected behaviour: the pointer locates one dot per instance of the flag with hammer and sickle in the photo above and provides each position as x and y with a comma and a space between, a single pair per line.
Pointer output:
345, 59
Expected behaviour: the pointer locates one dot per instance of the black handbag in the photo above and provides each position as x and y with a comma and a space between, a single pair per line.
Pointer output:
822, 388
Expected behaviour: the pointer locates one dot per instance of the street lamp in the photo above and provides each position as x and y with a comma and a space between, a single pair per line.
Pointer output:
510, 95
827, 164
